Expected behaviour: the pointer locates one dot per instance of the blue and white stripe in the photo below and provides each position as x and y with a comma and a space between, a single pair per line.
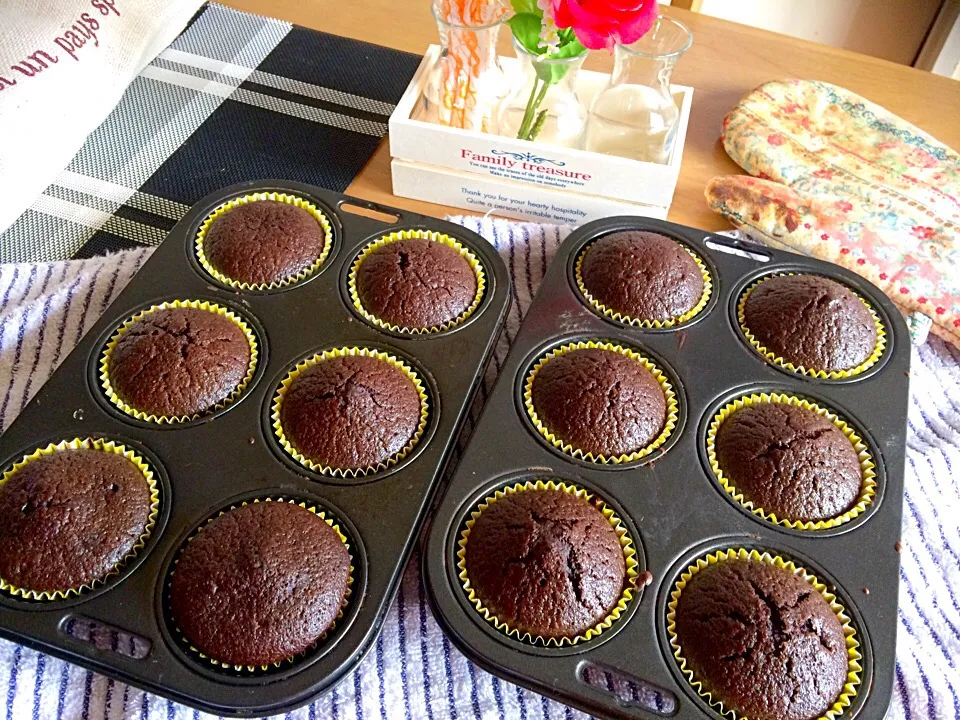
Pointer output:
413, 670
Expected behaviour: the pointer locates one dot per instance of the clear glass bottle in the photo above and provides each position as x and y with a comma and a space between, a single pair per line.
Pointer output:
465, 86
635, 115
554, 83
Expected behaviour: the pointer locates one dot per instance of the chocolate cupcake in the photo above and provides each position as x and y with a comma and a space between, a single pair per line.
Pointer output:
598, 400
810, 321
265, 242
640, 276
350, 411
762, 641
416, 281
545, 562
259, 584
789, 461
177, 360
70, 517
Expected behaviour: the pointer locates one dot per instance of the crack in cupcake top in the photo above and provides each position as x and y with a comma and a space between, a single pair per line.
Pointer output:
351, 412
789, 461
762, 640
416, 283
599, 401
264, 241
259, 584
545, 562
179, 361
69, 518
643, 275
811, 321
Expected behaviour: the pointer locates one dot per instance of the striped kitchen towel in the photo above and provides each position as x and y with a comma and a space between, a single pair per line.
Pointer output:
413, 671
235, 97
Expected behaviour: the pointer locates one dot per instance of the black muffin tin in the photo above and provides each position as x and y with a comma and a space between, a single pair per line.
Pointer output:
673, 507
207, 465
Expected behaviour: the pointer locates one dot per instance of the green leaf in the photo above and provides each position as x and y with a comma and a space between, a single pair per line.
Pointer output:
526, 6
526, 29
554, 72
568, 50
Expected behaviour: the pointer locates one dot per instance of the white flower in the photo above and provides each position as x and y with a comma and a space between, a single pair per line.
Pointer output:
548, 28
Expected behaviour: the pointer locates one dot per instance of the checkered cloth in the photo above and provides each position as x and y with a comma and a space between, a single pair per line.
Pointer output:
236, 97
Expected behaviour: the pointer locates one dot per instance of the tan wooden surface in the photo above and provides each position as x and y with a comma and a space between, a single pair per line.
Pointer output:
726, 61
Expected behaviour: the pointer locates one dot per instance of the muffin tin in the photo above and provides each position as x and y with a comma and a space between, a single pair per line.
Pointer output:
209, 464
671, 503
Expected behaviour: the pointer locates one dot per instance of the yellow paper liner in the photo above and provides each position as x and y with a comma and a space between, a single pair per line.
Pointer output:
868, 487
638, 322
102, 445
372, 247
347, 352
128, 409
671, 398
626, 543
185, 641
854, 669
775, 359
226, 207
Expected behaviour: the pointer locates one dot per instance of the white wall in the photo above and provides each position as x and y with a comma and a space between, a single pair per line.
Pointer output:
890, 29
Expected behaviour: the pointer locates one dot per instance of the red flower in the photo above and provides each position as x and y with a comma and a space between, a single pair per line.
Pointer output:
775, 139
923, 233
604, 23
807, 225
883, 276
843, 206
922, 300
824, 237
956, 323
940, 311
861, 261
824, 174
845, 251
763, 176
904, 291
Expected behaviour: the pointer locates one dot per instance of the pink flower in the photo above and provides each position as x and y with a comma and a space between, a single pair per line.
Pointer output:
775, 140
843, 206
883, 276
605, 23
940, 311
923, 233
920, 158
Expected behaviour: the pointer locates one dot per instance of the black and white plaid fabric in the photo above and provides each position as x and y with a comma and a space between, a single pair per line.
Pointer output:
236, 97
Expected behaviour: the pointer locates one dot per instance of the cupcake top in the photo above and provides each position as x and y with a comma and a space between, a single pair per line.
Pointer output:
811, 321
599, 401
69, 518
179, 361
416, 283
763, 641
643, 275
265, 241
350, 412
790, 461
259, 584
545, 562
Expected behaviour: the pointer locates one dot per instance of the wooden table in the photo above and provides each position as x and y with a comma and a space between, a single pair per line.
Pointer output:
726, 61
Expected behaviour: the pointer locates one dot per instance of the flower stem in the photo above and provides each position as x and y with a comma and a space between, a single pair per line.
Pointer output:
537, 125
528, 112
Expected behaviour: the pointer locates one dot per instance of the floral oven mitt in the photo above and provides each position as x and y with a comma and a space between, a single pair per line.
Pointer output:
843, 180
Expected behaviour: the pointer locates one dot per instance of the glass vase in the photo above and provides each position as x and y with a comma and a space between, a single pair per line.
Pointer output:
544, 101
465, 86
635, 115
